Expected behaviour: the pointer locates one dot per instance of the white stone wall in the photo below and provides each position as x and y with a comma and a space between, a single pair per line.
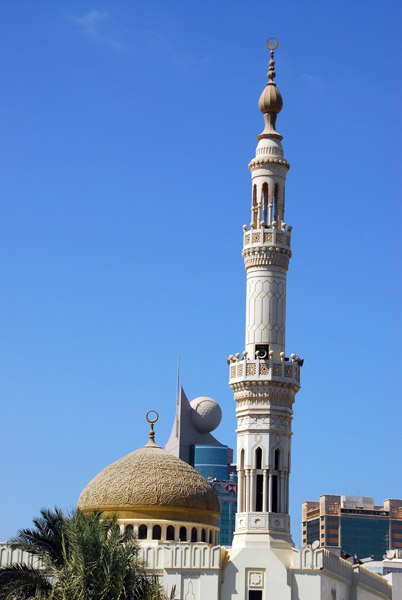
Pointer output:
265, 309
193, 569
321, 575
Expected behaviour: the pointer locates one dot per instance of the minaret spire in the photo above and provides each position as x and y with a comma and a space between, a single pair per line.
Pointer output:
264, 380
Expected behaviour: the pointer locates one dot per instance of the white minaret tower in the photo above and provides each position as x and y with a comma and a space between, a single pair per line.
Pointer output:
264, 380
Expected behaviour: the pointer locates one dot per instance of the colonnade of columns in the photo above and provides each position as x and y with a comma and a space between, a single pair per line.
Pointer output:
267, 204
275, 491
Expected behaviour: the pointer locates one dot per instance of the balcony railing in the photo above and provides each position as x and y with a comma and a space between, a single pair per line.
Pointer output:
263, 370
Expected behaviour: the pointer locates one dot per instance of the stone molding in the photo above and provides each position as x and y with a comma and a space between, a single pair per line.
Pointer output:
276, 423
277, 257
260, 522
262, 160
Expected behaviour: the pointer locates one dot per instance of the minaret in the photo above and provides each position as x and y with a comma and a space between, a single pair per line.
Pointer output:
264, 380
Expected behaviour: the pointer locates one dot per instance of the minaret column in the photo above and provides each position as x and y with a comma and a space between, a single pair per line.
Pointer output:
264, 380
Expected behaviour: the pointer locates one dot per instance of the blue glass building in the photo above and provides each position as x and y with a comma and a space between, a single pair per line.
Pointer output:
210, 461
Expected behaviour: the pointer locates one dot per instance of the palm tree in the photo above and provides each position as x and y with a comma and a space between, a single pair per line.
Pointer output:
44, 542
82, 557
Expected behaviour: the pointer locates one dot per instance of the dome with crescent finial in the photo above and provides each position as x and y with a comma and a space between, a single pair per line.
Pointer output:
150, 483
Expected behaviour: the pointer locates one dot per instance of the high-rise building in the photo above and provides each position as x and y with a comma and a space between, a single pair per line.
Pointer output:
192, 441
353, 524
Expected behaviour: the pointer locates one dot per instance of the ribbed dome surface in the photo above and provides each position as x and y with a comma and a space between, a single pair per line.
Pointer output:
148, 477
270, 99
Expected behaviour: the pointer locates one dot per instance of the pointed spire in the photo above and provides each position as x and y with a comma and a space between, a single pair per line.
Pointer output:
270, 102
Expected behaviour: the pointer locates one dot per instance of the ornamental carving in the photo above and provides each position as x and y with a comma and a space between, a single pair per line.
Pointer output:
263, 257
279, 423
150, 477
251, 369
256, 162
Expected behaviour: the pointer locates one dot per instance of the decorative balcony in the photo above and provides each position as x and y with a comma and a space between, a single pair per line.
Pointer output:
243, 370
267, 236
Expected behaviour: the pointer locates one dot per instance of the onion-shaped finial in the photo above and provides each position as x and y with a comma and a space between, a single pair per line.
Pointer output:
270, 102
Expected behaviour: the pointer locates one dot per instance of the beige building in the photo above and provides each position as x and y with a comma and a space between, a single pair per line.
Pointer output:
353, 524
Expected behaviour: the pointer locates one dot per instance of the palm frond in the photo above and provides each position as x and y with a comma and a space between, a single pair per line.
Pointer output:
21, 581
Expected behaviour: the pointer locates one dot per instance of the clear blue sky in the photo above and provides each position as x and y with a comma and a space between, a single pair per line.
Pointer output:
126, 129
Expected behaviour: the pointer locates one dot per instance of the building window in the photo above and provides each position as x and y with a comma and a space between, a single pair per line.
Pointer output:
255, 595
142, 532
210, 537
170, 532
193, 534
129, 530
156, 532
203, 536
183, 534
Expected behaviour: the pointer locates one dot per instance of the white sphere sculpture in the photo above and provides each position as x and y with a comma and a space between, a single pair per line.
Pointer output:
206, 414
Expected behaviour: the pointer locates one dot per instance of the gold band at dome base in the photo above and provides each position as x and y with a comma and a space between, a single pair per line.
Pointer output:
158, 513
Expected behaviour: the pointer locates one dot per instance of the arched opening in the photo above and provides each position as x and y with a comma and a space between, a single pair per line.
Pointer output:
142, 532
277, 210
170, 532
277, 459
193, 534
259, 493
275, 485
241, 480
258, 458
129, 531
156, 532
274, 493
203, 535
265, 203
210, 537
183, 534
254, 208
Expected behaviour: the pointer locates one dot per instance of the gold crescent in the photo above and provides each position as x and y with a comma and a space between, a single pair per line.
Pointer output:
272, 46
152, 420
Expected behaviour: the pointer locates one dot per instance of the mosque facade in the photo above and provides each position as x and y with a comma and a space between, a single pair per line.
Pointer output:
173, 509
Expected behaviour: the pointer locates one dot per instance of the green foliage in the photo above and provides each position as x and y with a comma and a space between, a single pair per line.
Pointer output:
82, 558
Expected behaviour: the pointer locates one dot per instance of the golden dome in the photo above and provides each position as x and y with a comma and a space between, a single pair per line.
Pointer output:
151, 482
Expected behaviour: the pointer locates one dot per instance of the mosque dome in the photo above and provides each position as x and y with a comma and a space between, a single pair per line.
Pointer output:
206, 414
151, 483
